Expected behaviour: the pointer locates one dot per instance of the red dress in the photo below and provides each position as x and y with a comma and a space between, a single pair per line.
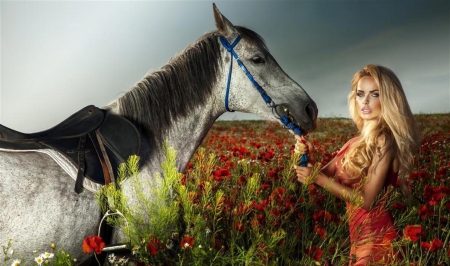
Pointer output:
371, 232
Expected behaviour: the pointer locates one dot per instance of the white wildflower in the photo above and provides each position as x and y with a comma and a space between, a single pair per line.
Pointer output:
111, 258
39, 260
123, 261
134, 250
15, 263
169, 244
47, 255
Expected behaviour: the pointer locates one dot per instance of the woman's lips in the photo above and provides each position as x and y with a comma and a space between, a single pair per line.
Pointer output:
365, 110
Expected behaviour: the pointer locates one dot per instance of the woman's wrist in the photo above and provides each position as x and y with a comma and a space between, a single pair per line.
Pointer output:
322, 179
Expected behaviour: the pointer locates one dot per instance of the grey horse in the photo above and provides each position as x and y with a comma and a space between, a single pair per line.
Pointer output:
178, 103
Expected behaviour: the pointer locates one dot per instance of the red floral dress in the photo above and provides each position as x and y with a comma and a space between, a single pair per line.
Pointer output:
371, 232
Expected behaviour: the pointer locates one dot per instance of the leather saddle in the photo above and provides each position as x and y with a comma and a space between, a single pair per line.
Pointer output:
92, 139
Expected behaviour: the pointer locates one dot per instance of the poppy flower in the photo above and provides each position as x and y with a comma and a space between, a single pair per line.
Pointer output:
398, 206
221, 174
425, 212
413, 232
320, 231
278, 194
93, 243
187, 242
434, 245
154, 245
314, 252
239, 226
322, 215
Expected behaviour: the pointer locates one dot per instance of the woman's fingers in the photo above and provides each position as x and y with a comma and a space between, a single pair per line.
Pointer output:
302, 173
301, 148
308, 143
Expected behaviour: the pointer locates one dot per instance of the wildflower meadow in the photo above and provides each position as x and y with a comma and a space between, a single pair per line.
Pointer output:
238, 202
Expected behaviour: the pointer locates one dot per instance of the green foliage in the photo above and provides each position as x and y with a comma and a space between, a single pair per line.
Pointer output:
57, 257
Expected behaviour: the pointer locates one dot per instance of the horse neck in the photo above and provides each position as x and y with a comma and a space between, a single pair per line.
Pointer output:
184, 135
177, 103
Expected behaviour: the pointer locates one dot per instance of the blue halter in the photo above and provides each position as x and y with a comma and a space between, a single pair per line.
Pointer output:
284, 118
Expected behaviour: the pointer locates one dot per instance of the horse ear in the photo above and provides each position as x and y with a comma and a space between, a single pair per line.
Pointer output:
223, 24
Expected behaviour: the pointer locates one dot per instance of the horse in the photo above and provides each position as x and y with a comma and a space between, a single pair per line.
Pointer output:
177, 103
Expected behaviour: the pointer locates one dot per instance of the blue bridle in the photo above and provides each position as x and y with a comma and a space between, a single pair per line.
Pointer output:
286, 120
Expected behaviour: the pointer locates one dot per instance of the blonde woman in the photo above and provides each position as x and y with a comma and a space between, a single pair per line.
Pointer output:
368, 165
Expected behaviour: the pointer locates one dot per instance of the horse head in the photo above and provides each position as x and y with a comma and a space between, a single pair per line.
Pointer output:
264, 70
180, 102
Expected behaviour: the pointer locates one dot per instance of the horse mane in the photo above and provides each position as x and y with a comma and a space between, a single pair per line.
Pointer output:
172, 92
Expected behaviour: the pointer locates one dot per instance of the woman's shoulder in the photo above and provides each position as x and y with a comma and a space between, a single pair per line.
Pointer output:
347, 145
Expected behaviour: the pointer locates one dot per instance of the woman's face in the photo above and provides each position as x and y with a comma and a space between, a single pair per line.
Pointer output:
368, 98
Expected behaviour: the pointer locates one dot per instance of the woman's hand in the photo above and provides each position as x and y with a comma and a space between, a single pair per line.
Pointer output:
303, 174
304, 146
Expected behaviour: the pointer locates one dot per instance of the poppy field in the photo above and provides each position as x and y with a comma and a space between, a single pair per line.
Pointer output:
238, 202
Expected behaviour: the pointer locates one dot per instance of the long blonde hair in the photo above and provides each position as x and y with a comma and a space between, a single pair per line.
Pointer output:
395, 129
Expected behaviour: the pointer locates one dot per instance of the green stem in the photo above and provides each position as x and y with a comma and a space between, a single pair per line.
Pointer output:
95, 255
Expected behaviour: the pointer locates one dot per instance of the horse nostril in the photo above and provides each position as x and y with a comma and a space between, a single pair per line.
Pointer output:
310, 111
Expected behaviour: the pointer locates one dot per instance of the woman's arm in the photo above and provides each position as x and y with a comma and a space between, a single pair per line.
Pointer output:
330, 168
369, 191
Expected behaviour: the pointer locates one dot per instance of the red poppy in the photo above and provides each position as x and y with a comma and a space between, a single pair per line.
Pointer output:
320, 231
230, 164
194, 197
242, 180
314, 252
260, 206
239, 226
187, 242
220, 174
290, 202
398, 206
441, 173
413, 232
242, 209
277, 194
154, 245
266, 185
442, 170
93, 243
434, 194
434, 245
275, 212
322, 215
183, 179
424, 212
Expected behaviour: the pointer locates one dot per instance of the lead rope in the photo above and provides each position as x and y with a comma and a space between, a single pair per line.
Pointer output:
283, 117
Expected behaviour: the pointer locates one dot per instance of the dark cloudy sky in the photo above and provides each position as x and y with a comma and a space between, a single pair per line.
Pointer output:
58, 56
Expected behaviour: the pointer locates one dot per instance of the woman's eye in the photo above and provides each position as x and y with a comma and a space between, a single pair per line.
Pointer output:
376, 95
360, 94
258, 60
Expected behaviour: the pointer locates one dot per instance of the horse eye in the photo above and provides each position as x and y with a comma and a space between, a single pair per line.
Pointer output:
258, 60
